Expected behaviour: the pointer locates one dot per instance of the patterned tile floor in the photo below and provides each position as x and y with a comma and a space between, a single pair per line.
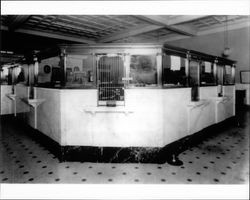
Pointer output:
222, 159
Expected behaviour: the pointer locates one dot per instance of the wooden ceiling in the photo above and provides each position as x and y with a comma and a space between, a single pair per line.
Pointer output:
36, 32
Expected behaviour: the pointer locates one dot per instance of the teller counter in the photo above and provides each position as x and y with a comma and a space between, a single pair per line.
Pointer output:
149, 118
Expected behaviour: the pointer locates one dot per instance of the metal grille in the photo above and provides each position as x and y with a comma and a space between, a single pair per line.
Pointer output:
110, 71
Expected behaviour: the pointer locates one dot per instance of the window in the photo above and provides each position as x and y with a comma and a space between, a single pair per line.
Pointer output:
49, 73
174, 71
143, 70
194, 79
80, 71
228, 75
220, 71
12, 75
20, 74
4, 75
207, 73
193, 73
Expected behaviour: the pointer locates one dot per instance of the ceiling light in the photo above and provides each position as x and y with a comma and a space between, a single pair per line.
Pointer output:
227, 50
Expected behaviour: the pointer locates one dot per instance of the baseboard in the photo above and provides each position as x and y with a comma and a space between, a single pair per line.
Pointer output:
6, 116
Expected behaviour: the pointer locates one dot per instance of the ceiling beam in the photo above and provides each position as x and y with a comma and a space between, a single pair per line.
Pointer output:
55, 36
184, 18
163, 21
52, 35
158, 23
17, 21
129, 32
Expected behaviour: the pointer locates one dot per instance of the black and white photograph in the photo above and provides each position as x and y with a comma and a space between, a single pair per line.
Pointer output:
124, 99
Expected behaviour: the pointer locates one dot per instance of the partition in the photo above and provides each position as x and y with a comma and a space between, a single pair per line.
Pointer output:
7, 103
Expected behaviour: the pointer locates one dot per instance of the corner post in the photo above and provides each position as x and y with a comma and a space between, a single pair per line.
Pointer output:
63, 67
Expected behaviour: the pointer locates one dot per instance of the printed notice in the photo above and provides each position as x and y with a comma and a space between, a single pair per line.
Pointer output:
208, 67
175, 63
228, 69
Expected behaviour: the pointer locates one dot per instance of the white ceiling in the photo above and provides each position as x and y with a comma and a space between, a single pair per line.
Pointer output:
91, 29
117, 28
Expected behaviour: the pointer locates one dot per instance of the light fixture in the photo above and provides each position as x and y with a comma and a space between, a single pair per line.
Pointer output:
227, 51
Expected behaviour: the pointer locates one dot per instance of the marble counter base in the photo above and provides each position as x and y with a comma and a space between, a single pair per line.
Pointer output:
158, 155
114, 154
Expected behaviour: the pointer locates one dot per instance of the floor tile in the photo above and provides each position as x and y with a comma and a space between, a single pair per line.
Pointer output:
221, 159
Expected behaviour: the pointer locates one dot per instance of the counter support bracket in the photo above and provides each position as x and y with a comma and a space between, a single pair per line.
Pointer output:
95, 110
33, 103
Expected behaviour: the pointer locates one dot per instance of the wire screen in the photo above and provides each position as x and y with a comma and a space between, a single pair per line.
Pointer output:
110, 71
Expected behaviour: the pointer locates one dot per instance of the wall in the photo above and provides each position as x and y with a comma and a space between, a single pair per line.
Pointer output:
26, 73
175, 118
24, 111
155, 118
21, 92
7, 105
49, 113
213, 44
202, 114
142, 127
229, 92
